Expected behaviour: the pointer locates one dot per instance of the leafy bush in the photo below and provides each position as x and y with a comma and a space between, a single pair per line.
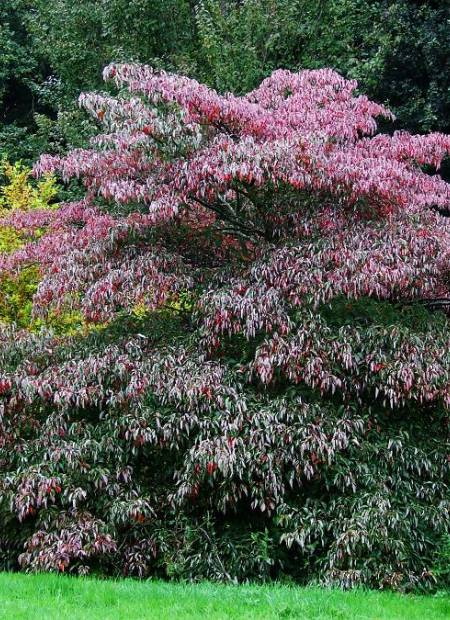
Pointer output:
270, 394
51, 50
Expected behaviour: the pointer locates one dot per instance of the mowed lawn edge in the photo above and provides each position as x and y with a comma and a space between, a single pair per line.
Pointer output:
48, 596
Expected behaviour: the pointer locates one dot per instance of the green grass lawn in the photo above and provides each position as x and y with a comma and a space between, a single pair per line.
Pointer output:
51, 596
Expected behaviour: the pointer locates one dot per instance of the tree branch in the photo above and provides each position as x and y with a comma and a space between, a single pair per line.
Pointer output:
237, 225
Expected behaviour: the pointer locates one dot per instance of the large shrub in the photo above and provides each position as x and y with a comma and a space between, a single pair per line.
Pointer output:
279, 405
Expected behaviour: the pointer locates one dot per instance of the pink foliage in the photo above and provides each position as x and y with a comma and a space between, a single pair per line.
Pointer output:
287, 185
295, 158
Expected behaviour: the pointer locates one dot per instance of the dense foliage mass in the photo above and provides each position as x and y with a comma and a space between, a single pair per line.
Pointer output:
269, 392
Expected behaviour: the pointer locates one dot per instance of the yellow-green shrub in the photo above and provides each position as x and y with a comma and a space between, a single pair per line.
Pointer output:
20, 191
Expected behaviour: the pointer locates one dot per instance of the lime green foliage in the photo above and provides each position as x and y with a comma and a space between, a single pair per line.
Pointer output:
34, 597
16, 295
20, 192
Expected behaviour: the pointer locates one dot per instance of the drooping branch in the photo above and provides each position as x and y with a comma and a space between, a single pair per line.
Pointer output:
238, 227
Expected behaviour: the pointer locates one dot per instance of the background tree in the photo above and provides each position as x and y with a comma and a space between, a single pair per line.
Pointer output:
16, 63
79, 39
54, 50
396, 50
